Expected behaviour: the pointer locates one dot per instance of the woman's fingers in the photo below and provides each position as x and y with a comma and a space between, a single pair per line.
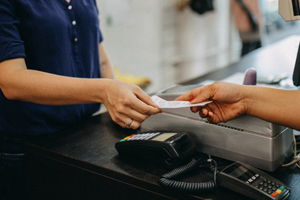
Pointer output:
126, 102
126, 122
133, 124
144, 104
203, 113
132, 108
189, 95
213, 118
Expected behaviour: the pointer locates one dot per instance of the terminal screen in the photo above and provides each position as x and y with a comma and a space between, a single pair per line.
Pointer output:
163, 137
239, 171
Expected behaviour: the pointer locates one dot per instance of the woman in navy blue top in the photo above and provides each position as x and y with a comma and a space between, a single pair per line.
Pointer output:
50, 75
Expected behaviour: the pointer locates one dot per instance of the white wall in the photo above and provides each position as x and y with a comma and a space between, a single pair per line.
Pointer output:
153, 39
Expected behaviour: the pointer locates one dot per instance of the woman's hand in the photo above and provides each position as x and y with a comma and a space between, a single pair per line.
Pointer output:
128, 104
228, 101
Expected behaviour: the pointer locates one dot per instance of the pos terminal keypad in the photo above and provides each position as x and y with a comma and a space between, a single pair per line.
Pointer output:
252, 182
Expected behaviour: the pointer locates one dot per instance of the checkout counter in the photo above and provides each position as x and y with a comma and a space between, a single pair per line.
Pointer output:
82, 162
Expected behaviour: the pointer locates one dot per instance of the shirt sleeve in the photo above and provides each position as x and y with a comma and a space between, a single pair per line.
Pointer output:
99, 31
11, 45
100, 36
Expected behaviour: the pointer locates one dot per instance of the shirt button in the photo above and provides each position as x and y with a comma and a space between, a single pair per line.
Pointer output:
74, 22
70, 7
75, 39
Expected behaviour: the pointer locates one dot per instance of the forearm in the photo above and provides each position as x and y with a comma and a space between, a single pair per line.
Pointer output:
107, 70
49, 89
277, 106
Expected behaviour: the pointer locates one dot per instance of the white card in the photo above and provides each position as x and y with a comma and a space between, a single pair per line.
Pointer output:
175, 104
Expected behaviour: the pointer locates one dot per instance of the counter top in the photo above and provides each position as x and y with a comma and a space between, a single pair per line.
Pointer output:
82, 162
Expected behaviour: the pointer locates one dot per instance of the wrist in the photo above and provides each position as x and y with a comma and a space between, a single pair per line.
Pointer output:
103, 87
248, 100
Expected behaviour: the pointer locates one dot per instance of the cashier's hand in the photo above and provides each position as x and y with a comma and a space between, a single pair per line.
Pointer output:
127, 104
228, 101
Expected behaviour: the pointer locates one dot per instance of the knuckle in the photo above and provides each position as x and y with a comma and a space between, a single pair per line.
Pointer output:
136, 87
136, 126
146, 110
126, 101
113, 117
119, 108
117, 117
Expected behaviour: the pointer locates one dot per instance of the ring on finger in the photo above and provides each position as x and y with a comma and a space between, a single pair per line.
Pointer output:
130, 122
125, 125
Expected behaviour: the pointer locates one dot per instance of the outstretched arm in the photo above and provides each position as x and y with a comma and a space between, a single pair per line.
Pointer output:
124, 101
231, 101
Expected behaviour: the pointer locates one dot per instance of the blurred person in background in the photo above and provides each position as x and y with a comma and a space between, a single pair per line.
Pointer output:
248, 19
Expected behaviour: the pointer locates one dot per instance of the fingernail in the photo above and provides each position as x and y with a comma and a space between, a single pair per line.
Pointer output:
192, 99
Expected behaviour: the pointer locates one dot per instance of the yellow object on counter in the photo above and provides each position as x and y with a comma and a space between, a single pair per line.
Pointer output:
130, 78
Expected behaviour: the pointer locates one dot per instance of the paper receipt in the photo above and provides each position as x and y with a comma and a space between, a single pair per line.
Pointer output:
175, 104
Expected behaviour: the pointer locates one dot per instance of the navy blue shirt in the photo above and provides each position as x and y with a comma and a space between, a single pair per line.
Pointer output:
55, 37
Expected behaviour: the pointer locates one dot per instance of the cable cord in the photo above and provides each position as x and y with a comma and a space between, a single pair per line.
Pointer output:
296, 157
167, 180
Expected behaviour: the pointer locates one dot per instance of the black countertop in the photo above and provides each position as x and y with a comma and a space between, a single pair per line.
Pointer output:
82, 162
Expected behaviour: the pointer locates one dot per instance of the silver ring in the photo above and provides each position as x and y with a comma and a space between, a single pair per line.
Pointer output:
130, 122
125, 125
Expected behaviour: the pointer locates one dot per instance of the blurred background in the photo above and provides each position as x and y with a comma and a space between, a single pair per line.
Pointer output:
157, 43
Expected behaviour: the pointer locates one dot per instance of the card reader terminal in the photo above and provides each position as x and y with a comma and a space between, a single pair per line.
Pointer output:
252, 182
171, 149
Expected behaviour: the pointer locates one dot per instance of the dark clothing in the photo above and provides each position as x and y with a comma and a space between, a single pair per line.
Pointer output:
55, 37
